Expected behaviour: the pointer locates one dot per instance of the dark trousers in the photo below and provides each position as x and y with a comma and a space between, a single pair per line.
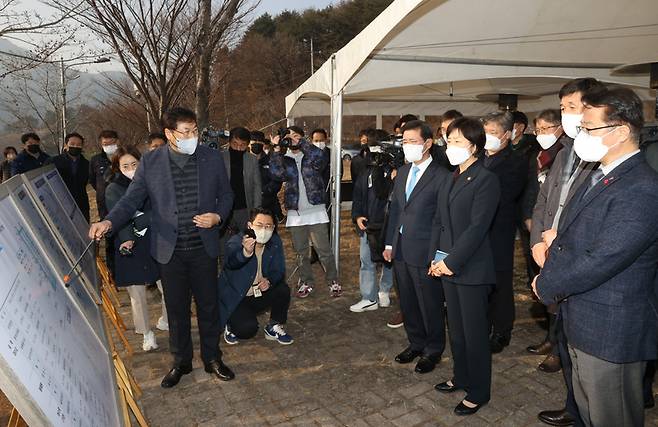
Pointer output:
469, 339
647, 381
501, 304
187, 274
244, 323
109, 255
532, 269
421, 301
565, 359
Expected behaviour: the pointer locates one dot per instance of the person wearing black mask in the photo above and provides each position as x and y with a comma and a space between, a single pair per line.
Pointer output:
31, 157
74, 169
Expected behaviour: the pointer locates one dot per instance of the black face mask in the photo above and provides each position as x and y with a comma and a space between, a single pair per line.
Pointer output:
75, 151
256, 148
34, 148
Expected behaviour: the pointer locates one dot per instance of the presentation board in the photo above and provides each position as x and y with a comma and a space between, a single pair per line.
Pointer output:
71, 236
57, 257
54, 368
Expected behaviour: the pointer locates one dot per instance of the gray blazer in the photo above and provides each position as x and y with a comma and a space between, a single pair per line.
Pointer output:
548, 199
251, 176
153, 180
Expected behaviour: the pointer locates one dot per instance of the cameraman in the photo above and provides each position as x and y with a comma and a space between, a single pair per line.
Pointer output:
269, 187
369, 204
301, 169
254, 280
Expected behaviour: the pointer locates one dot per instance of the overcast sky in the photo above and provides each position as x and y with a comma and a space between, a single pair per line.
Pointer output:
272, 7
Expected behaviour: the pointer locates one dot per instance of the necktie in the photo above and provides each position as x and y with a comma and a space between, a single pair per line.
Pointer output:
594, 178
412, 181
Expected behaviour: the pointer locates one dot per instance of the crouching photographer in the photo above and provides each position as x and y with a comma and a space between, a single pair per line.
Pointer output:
254, 280
369, 205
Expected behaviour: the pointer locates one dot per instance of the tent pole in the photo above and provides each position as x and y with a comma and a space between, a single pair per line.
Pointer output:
378, 120
336, 162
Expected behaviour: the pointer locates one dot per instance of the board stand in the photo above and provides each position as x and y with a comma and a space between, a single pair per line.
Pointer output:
110, 303
15, 419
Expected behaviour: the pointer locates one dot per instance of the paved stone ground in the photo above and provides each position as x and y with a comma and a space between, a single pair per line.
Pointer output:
340, 372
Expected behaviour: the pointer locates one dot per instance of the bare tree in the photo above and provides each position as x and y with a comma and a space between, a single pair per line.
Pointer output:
162, 44
24, 26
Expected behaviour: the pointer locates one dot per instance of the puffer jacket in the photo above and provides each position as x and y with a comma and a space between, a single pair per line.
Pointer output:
284, 169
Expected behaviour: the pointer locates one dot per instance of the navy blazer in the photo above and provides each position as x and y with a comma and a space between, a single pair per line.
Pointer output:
239, 272
414, 215
602, 265
153, 180
461, 226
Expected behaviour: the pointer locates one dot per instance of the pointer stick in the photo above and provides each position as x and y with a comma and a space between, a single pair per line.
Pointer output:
67, 277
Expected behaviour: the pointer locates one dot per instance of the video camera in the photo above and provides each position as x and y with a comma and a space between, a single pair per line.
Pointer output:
213, 138
387, 155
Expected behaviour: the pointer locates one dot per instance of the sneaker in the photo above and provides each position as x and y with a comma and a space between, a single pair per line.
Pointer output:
364, 305
335, 289
149, 342
162, 325
277, 333
229, 337
384, 299
304, 289
396, 321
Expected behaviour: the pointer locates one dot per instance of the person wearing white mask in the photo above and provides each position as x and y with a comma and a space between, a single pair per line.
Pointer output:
462, 257
511, 169
565, 175
191, 195
601, 268
412, 207
134, 265
253, 281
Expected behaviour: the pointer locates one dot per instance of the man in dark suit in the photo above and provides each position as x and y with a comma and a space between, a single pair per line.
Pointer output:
512, 173
74, 170
31, 157
408, 234
602, 265
191, 195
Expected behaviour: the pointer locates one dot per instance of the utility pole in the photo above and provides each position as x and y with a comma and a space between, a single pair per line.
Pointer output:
312, 61
63, 87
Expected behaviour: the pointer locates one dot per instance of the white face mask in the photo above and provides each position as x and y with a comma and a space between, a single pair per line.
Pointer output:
457, 155
129, 174
187, 146
513, 134
110, 149
263, 236
413, 152
590, 148
493, 143
570, 123
546, 141
320, 144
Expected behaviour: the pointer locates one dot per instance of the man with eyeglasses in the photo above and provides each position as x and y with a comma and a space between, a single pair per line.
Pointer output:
602, 265
191, 196
253, 281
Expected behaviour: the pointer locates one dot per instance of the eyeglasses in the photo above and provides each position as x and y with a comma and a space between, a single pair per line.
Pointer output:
412, 141
263, 226
545, 129
194, 132
589, 130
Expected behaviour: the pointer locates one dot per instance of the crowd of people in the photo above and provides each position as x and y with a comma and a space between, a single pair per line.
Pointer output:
438, 229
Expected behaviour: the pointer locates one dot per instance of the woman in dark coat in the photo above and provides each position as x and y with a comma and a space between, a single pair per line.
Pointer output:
466, 208
134, 266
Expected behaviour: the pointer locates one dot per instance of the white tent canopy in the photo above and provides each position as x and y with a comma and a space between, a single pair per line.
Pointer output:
426, 56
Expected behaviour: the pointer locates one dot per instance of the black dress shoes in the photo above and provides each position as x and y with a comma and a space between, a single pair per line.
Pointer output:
426, 363
498, 342
444, 387
556, 418
407, 356
218, 368
540, 349
551, 364
173, 377
462, 409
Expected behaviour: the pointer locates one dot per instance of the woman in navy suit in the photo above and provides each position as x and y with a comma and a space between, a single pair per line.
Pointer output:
466, 207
